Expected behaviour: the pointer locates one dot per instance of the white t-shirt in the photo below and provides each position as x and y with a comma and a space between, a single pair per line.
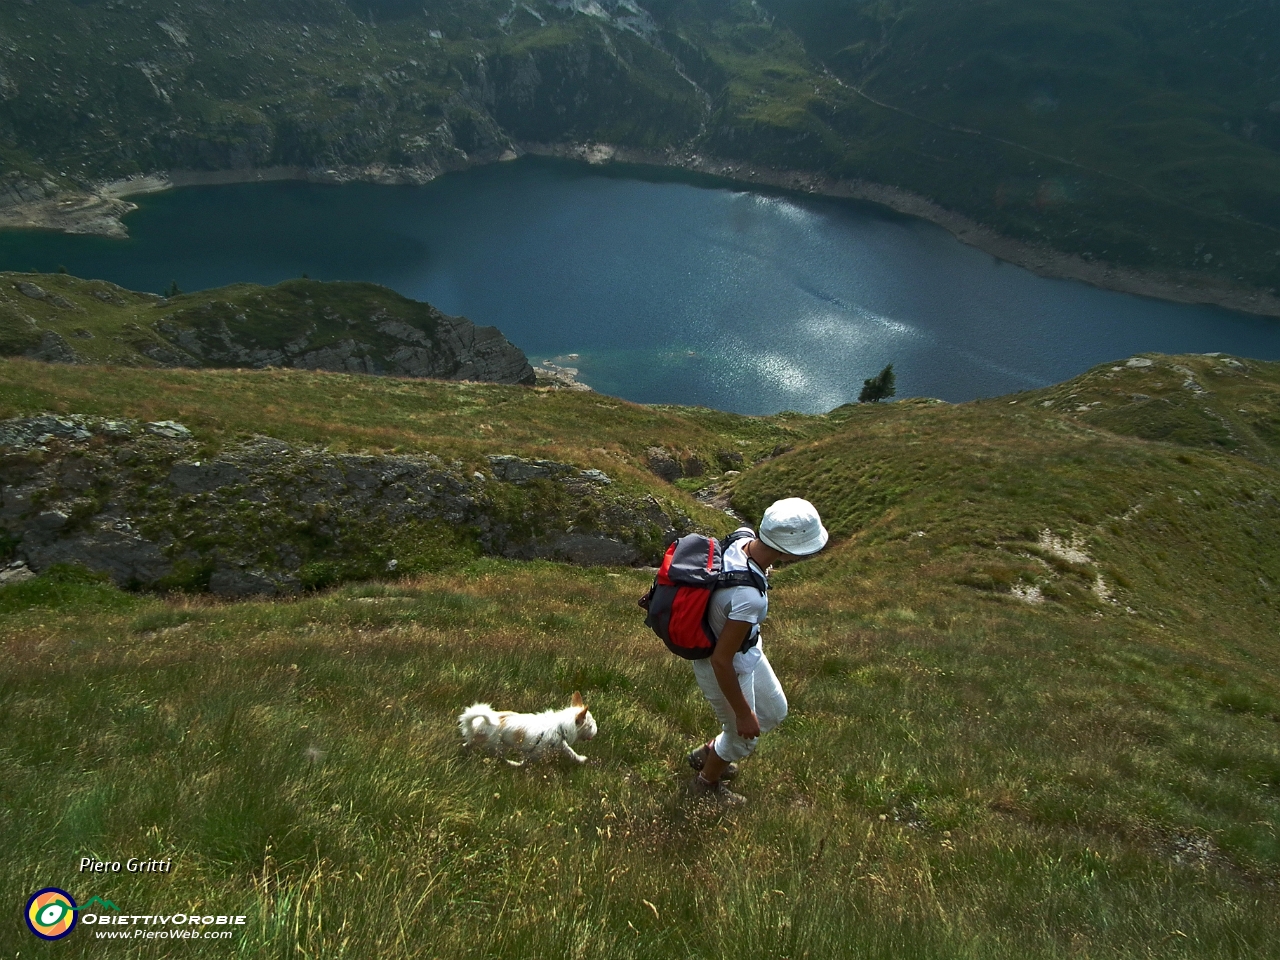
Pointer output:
745, 604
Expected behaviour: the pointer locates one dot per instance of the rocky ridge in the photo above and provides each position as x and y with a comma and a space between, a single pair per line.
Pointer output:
146, 505
346, 327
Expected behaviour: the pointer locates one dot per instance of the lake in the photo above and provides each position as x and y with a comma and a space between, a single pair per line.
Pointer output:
668, 287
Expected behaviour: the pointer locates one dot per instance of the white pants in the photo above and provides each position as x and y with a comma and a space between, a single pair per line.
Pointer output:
764, 695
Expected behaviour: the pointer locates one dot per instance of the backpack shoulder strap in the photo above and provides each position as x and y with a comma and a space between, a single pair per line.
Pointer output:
742, 578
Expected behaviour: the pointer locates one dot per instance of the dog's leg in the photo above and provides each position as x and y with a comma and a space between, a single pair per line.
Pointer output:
572, 753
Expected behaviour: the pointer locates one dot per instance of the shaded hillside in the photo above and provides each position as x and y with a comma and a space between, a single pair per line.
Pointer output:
283, 480
307, 324
150, 507
1144, 132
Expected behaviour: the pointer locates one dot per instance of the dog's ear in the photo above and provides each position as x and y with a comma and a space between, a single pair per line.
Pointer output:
577, 700
581, 718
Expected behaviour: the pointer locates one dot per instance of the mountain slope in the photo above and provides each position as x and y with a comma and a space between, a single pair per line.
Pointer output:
1044, 114
1033, 686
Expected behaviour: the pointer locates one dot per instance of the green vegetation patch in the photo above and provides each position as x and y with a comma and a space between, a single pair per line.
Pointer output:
298, 322
1053, 779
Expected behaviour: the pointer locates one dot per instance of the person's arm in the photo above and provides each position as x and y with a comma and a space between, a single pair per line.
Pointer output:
727, 644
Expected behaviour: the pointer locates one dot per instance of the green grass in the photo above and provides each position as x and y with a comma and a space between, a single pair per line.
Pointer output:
463, 421
963, 773
954, 780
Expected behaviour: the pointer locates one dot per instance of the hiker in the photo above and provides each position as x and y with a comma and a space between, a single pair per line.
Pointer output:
736, 678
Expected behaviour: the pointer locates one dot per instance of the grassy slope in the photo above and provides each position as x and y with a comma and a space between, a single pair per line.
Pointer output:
963, 773
464, 421
105, 323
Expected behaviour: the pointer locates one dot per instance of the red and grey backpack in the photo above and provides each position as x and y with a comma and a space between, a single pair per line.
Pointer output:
676, 604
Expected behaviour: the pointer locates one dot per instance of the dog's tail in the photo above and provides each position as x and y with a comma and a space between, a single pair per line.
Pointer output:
477, 722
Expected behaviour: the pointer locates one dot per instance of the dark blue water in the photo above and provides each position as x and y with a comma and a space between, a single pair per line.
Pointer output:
669, 290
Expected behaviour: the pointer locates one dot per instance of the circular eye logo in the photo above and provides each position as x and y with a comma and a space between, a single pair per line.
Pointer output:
51, 913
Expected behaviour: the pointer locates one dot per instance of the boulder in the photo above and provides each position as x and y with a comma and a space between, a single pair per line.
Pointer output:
516, 470
52, 348
664, 464
167, 428
16, 572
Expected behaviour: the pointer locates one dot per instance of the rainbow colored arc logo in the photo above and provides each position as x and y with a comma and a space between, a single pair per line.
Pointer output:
51, 913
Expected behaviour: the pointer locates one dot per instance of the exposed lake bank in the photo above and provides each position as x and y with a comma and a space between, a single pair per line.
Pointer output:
1042, 260
102, 211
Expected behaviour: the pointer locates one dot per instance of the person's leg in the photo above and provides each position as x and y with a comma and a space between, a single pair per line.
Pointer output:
770, 705
728, 746
714, 767
770, 701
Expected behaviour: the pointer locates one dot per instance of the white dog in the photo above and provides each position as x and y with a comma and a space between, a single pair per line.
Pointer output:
533, 734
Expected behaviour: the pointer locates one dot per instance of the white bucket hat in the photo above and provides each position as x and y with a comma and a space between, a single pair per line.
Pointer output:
794, 527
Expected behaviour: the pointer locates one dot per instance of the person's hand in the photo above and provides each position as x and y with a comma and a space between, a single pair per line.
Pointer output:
748, 725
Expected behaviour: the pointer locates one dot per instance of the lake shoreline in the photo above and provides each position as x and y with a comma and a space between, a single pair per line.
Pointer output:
101, 212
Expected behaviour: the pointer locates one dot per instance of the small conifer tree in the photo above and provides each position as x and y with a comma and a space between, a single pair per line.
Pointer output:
878, 387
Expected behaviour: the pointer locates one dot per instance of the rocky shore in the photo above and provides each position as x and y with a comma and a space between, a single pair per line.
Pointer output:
32, 205
556, 373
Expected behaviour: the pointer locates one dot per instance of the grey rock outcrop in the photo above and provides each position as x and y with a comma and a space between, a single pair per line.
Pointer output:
36, 292
456, 349
519, 470
32, 290
264, 517
52, 348
663, 464
340, 327
168, 428
16, 190
483, 353
16, 572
